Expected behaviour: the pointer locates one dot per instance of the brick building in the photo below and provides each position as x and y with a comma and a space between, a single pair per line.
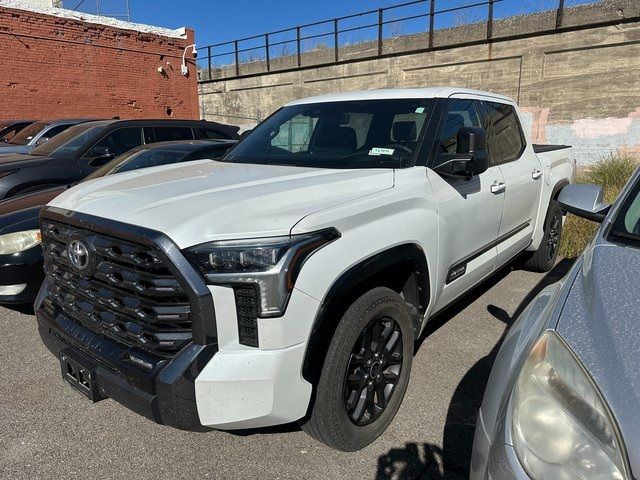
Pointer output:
60, 63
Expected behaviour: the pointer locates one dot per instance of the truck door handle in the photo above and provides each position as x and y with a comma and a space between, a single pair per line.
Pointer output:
498, 187
536, 174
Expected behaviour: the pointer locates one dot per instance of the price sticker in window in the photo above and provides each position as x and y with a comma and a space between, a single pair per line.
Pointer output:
377, 151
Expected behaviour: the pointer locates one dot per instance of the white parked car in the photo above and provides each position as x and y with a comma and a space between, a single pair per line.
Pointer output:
288, 281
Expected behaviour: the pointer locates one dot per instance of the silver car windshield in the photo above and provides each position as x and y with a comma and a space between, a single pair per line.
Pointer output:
626, 226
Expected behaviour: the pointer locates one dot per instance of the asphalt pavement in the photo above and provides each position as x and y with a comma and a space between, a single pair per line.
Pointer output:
48, 431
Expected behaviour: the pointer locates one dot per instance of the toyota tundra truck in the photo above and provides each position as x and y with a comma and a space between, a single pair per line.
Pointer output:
289, 280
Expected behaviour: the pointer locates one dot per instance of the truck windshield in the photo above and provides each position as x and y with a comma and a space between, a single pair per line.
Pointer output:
349, 134
626, 226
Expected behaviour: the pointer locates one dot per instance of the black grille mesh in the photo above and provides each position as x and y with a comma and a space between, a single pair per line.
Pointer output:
130, 296
247, 311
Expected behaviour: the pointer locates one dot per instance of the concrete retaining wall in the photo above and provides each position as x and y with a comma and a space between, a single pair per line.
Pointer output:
579, 87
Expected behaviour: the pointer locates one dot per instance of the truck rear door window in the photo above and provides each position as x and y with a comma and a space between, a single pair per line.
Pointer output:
505, 141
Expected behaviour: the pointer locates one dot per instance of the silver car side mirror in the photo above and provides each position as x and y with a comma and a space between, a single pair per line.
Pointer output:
585, 201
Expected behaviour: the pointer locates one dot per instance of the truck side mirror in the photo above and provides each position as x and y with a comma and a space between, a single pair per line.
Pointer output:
42, 140
471, 157
585, 201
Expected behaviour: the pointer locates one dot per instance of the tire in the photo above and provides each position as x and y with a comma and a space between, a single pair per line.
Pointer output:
348, 414
543, 259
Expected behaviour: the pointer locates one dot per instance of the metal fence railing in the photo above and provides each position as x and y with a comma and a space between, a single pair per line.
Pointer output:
409, 26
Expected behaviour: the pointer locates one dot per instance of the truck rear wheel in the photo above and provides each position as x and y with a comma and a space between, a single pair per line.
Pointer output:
543, 259
365, 373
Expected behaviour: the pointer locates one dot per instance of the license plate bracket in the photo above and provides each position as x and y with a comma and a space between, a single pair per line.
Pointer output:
80, 373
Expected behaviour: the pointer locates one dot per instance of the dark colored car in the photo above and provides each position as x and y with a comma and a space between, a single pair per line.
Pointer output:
81, 149
21, 270
9, 128
36, 134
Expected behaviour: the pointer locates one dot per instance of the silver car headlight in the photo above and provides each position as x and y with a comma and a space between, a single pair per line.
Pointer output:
562, 428
19, 241
271, 264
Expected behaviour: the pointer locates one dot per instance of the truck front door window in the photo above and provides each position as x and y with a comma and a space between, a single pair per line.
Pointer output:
462, 113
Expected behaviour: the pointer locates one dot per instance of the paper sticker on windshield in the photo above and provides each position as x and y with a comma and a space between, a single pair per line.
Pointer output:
381, 151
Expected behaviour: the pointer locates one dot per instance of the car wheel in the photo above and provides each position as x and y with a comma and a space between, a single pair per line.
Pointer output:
543, 259
365, 373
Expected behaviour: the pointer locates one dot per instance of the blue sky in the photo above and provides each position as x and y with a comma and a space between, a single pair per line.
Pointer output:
218, 21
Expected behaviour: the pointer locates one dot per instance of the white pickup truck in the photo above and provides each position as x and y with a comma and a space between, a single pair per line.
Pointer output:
289, 281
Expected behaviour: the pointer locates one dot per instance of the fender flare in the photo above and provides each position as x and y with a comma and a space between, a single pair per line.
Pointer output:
556, 189
350, 285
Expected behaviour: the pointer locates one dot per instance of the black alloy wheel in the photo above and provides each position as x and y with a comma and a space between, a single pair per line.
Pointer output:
365, 372
553, 237
373, 371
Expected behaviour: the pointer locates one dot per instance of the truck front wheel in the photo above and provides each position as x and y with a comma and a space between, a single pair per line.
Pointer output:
365, 373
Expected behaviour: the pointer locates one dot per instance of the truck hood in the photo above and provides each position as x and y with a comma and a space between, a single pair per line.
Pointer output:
201, 201
600, 323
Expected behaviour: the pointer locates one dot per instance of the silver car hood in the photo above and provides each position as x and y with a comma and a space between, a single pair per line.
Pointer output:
601, 323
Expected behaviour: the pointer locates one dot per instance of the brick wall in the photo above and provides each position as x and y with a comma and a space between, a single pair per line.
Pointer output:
52, 66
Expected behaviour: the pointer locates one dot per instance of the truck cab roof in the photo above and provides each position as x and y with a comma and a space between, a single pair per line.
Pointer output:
399, 93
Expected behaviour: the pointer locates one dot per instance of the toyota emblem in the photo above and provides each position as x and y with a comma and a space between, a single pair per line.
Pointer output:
78, 254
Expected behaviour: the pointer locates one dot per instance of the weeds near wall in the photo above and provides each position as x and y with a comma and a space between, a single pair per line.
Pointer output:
611, 173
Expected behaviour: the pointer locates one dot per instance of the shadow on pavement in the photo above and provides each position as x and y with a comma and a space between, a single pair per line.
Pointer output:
428, 461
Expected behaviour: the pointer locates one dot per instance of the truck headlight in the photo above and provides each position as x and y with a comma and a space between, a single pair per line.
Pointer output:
19, 241
272, 264
562, 427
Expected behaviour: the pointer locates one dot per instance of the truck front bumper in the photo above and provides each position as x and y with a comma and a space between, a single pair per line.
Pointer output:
159, 390
200, 386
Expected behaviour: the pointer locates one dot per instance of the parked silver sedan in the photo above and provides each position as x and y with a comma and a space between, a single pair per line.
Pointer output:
563, 398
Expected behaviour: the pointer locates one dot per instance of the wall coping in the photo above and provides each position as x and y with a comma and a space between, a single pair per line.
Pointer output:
96, 19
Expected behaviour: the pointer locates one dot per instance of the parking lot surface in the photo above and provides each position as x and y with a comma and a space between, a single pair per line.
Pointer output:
47, 430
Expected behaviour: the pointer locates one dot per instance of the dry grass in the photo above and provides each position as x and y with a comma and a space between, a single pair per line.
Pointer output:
611, 173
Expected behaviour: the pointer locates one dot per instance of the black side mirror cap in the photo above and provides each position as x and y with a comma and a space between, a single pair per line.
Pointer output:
471, 157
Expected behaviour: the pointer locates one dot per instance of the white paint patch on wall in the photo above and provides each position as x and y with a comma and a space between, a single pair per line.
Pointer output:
601, 127
594, 138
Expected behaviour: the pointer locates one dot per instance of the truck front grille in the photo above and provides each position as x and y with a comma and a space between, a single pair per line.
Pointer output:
128, 292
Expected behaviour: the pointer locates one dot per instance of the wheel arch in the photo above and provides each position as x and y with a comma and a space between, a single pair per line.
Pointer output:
404, 268
556, 189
